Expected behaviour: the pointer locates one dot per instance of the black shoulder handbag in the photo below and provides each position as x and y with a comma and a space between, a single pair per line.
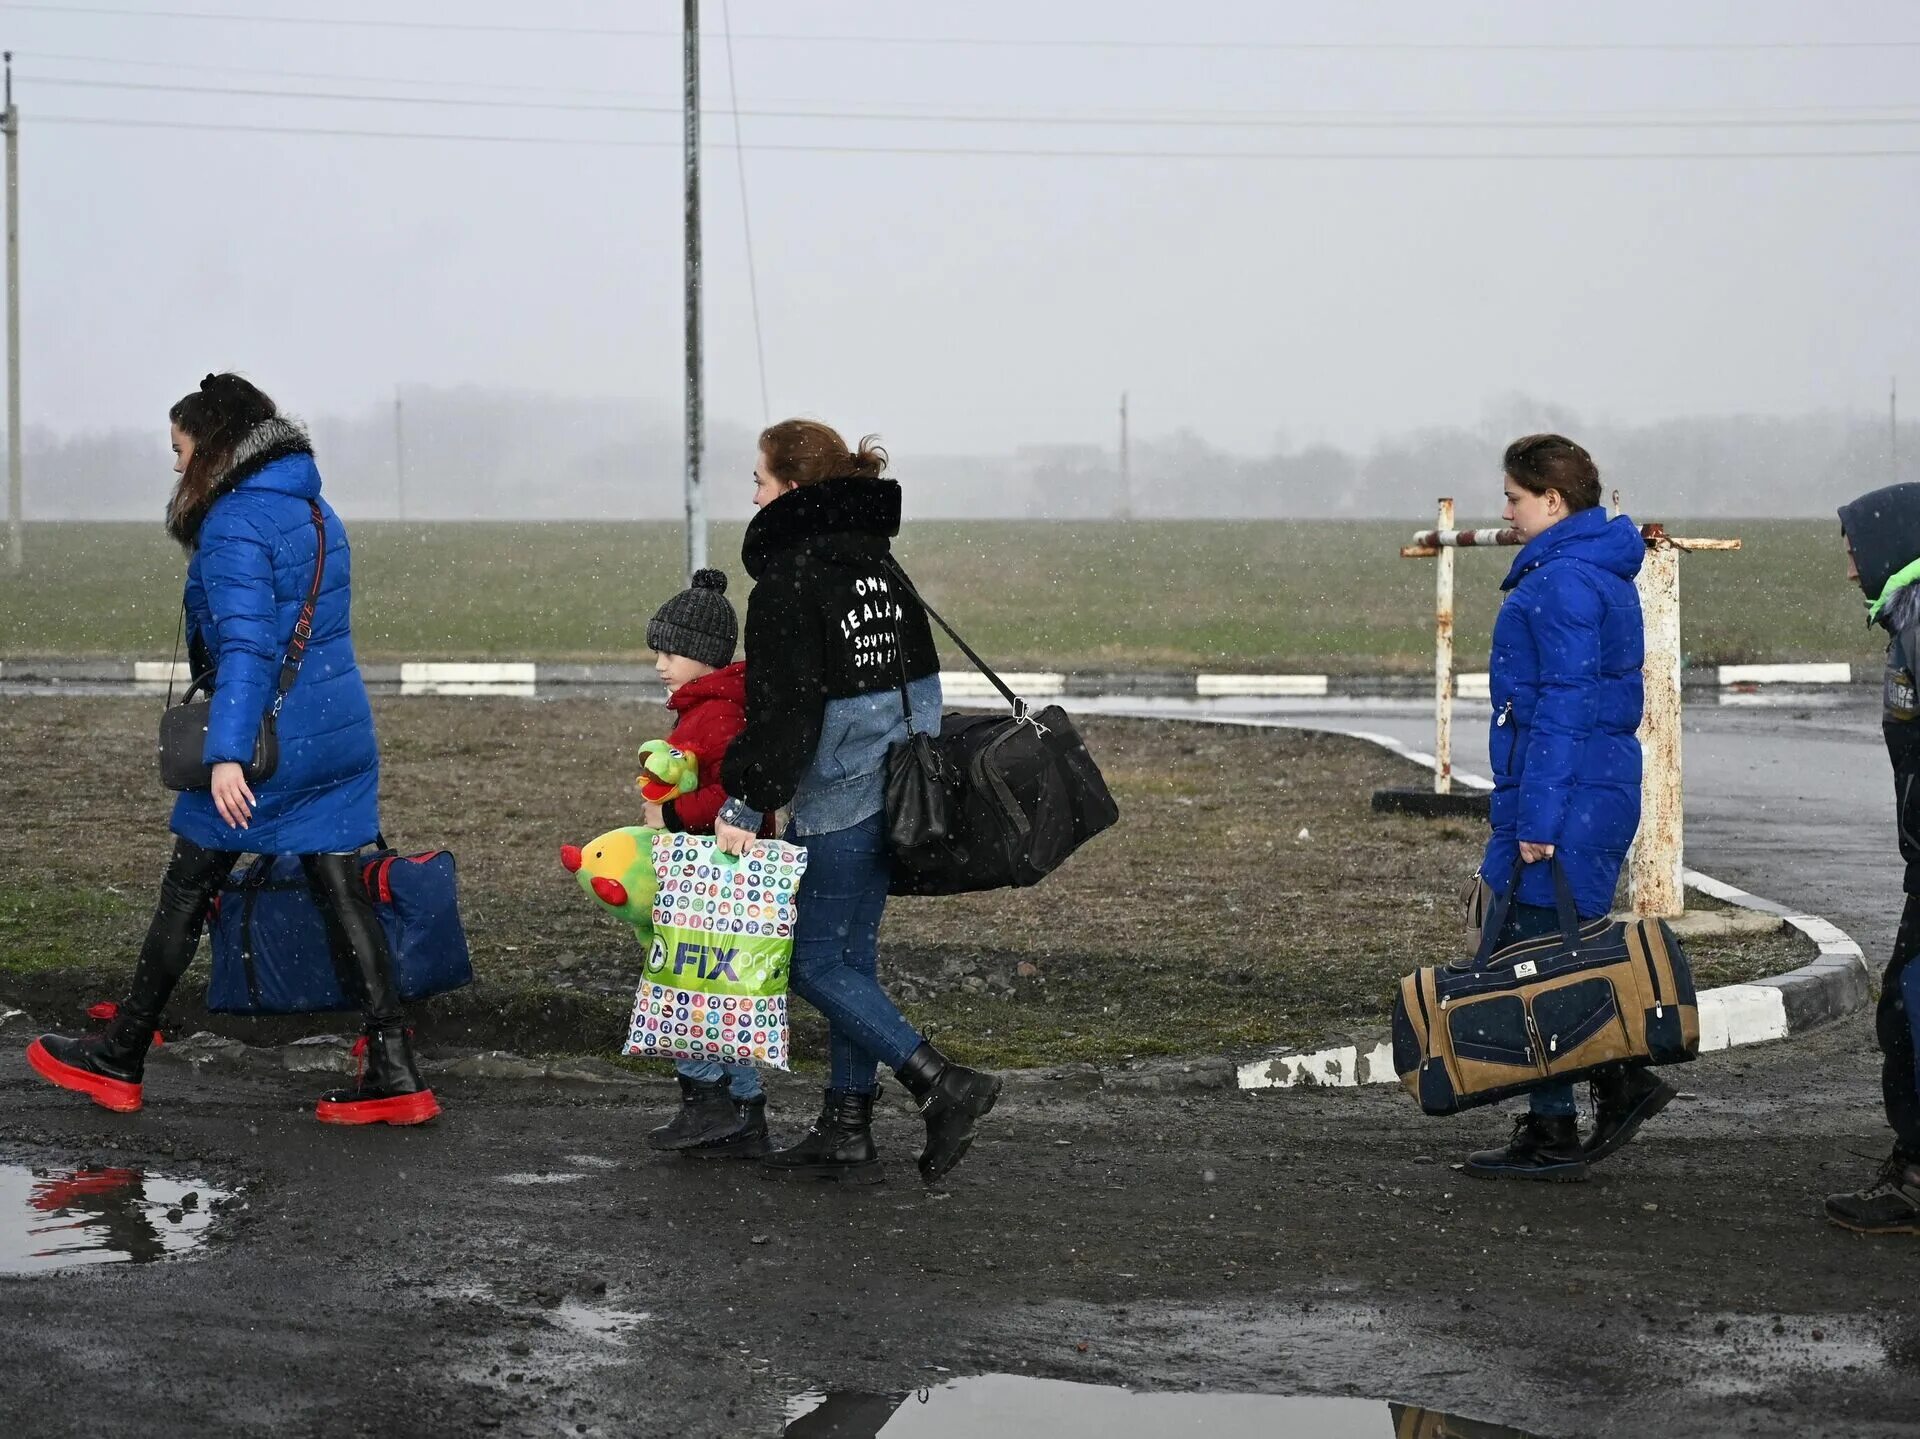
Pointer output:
183, 726
991, 801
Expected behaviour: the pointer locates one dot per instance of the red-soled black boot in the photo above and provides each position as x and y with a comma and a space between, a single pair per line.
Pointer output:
388, 1090
107, 1067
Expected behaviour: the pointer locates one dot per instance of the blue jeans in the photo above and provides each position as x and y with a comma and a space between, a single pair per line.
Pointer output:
1530, 921
743, 1079
836, 951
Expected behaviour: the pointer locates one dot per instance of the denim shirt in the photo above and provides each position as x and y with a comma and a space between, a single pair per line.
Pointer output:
847, 781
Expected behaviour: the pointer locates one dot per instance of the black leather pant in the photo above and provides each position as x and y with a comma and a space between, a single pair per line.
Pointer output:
361, 958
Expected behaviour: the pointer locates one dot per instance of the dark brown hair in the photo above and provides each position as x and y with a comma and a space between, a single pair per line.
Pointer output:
216, 417
805, 452
1538, 463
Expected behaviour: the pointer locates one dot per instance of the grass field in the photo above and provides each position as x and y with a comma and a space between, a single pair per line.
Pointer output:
1199, 595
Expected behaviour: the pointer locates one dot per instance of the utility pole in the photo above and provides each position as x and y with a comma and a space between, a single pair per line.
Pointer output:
399, 459
16, 540
696, 500
1126, 468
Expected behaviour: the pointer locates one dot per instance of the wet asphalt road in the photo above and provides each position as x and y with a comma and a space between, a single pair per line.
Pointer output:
525, 1266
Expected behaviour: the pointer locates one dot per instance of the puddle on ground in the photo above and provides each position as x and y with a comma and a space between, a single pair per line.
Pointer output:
594, 1323
1744, 1354
1011, 1406
53, 1218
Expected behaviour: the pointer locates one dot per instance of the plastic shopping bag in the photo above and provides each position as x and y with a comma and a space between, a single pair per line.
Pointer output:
715, 985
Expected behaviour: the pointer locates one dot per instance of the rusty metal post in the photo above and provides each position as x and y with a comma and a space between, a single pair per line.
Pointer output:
1654, 867
1443, 662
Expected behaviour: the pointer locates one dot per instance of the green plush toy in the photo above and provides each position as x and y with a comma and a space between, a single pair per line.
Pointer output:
667, 772
617, 870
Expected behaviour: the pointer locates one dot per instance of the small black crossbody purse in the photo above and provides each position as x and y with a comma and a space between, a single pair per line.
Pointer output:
183, 726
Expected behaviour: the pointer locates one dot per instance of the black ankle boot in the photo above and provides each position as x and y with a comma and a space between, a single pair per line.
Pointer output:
839, 1146
1544, 1146
952, 1099
746, 1138
107, 1067
389, 1089
1623, 1100
706, 1113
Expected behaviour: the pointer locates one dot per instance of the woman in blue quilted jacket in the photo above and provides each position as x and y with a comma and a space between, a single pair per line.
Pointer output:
248, 511
1565, 680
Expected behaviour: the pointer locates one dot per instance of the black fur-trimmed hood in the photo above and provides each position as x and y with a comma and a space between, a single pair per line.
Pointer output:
856, 510
266, 442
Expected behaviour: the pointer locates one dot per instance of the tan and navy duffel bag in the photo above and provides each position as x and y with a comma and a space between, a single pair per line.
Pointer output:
1595, 996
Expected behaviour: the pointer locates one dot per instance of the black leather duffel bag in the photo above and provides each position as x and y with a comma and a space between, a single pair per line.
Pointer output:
992, 801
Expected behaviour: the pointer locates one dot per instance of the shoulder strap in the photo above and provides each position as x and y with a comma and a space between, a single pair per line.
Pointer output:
303, 627
1019, 705
178, 635
906, 704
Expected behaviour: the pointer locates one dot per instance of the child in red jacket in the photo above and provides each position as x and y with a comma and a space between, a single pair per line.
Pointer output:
723, 1110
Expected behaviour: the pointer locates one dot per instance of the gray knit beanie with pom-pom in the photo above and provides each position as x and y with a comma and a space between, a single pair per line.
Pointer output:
698, 622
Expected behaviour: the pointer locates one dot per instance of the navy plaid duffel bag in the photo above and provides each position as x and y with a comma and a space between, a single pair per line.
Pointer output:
270, 950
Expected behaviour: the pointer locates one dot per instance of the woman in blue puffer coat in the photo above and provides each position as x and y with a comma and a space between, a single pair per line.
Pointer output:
1565, 680
247, 509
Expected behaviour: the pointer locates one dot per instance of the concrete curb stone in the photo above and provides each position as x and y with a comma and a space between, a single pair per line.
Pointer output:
509, 677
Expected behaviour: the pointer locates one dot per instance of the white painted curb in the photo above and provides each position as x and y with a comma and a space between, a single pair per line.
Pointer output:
1261, 686
1807, 674
507, 680
1028, 684
442, 677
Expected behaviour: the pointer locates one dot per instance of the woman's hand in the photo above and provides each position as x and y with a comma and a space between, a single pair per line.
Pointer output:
653, 816
1534, 853
733, 839
231, 796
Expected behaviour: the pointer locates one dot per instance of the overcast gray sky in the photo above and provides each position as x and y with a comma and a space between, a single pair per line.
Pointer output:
977, 302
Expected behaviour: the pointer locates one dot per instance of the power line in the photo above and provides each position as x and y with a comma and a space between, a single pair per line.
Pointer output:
114, 123
345, 21
158, 87
358, 77
746, 218
1331, 120
989, 41
922, 108
951, 151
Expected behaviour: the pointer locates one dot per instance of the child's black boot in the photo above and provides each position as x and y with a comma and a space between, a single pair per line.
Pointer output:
744, 1138
706, 1112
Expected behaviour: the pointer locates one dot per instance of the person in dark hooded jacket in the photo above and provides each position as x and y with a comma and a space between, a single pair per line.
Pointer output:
1882, 534
247, 508
1568, 646
838, 655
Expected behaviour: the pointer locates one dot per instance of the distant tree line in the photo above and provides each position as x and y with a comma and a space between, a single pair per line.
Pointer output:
482, 454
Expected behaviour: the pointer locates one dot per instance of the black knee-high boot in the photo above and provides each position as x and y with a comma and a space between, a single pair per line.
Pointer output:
109, 1068
388, 1089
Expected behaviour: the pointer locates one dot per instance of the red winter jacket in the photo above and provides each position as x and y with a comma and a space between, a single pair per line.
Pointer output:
711, 710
